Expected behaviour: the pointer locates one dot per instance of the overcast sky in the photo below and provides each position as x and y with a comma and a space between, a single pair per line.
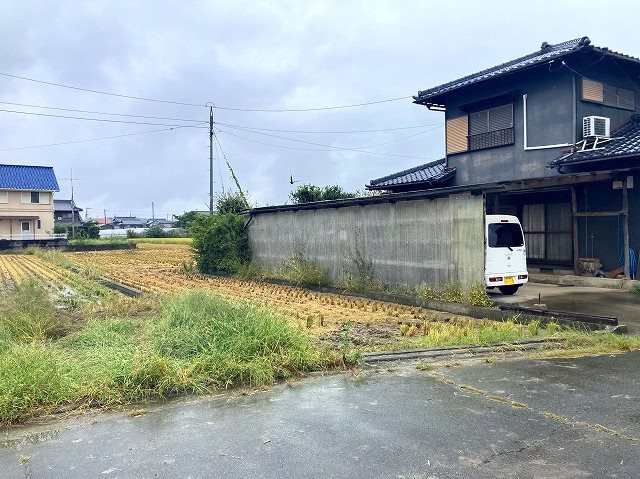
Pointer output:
254, 55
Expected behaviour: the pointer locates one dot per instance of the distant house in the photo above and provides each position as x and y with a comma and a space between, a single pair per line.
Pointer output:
128, 222
66, 213
162, 222
26, 202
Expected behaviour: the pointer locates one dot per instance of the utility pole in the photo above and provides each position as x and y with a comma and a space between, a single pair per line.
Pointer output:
153, 211
105, 216
211, 160
73, 210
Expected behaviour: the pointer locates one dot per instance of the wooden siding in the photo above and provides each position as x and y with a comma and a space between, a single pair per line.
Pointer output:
457, 132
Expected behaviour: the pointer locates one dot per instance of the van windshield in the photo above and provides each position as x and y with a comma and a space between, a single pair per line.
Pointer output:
505, 235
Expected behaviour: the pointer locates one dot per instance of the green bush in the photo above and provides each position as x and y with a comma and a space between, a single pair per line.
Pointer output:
220, 243
59, 229
155, 231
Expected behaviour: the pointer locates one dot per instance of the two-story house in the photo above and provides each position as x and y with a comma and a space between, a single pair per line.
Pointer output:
26, 202
552, 137
66, 213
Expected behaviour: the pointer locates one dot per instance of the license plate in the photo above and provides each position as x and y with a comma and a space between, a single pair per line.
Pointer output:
509, 280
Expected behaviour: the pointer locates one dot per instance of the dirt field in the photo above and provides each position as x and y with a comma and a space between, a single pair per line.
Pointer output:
158, 268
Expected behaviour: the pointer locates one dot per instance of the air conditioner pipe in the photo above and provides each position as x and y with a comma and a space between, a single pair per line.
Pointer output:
524, 136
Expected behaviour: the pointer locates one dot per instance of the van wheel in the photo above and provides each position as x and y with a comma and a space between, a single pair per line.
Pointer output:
511, 289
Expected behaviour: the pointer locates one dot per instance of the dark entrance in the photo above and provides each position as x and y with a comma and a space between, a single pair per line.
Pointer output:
546, 221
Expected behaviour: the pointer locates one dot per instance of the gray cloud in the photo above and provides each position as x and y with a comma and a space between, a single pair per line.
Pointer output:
256, 55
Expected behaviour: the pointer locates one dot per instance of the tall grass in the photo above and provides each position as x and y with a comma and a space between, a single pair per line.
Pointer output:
193, 342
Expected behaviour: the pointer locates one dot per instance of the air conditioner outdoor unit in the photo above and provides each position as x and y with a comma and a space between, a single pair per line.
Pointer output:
596, 127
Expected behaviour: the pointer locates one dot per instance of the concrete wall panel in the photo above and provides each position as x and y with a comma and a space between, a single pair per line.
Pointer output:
410, 243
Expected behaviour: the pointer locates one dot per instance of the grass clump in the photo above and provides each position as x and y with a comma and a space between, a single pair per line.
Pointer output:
235, 343
28, 314
51, 255
190, 342
475, 295
302, 271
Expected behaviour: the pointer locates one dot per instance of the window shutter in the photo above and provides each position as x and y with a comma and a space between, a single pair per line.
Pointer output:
457, 131
4, 197
25, 197
592, 90
501, 117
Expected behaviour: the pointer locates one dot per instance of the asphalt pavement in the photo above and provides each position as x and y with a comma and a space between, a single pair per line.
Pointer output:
507, 419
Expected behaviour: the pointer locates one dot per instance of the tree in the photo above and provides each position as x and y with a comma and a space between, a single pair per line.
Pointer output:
231, 203
308, 193
185, 220
155, 231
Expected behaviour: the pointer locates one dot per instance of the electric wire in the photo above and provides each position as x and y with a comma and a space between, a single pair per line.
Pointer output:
94, 119
333, 149
415, 127
92, 139
358, 149
156, 100
98, 112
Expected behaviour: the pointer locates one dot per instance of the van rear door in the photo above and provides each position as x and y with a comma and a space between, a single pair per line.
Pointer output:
506, 254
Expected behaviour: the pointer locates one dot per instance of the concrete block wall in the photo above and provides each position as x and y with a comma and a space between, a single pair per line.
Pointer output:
410, 243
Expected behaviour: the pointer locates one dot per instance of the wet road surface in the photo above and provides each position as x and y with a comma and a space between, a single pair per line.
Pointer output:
623, 305
512, 419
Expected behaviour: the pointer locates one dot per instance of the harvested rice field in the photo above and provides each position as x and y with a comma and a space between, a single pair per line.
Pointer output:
160, 268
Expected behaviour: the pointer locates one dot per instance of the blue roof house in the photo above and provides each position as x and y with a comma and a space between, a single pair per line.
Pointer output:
26, 202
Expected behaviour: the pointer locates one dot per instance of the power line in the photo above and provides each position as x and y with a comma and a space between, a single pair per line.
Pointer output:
262, 110
327, 132
99, 112
298, 110
131, 97
333, 149
358, 150
91, 119
92, 139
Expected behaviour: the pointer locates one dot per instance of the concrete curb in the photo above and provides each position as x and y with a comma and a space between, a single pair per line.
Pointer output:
120, 288
412, 354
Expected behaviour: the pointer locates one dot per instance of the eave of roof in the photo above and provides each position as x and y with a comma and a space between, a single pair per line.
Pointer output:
625, 143
435, 172
546, 53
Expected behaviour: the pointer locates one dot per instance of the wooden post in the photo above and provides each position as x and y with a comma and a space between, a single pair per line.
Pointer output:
625, 227
574, 227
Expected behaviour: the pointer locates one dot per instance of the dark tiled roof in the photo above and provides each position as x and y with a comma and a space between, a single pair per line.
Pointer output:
546, 53
433, 173
64, 205
625, 142
34, 178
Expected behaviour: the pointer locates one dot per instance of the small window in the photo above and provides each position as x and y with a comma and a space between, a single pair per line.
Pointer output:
491, 128
35, 197
4, 197
609, 95
505, 235
457, 131
39, 224
25, 226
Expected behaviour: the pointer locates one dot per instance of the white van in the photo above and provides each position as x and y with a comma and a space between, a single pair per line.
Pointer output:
506, 257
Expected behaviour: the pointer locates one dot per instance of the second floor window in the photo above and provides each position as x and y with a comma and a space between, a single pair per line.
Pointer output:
491, 127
